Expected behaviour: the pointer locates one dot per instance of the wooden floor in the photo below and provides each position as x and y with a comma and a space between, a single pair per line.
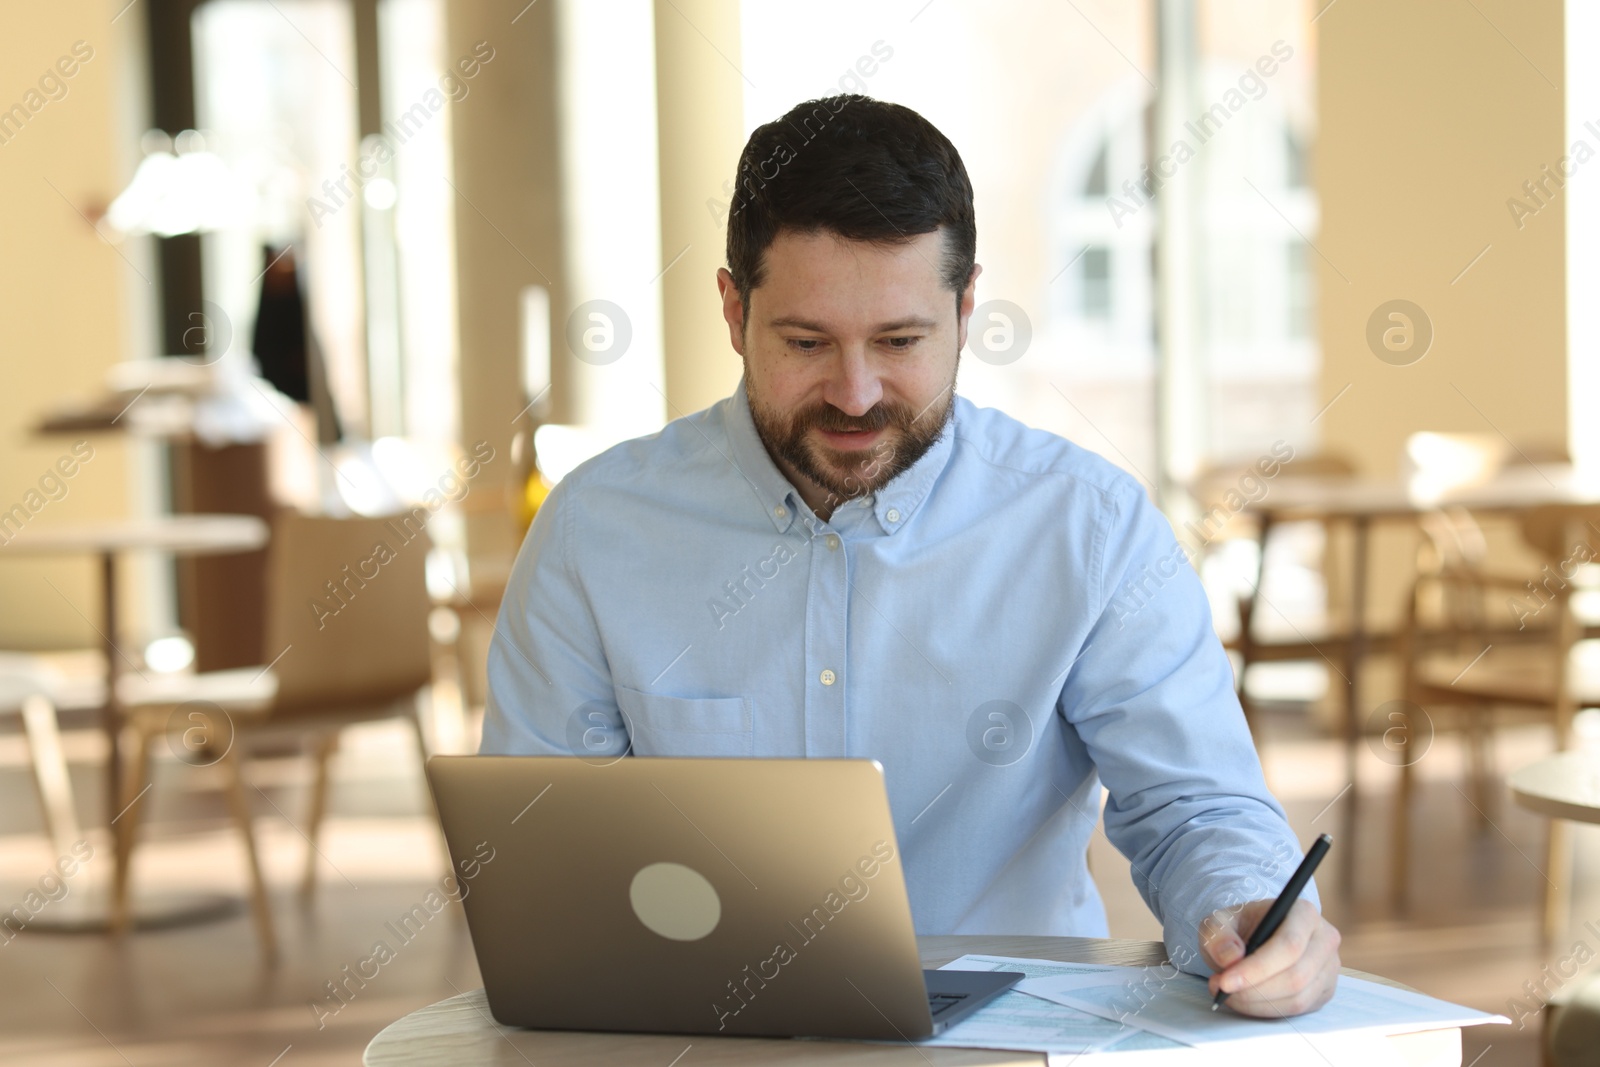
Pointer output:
198, 995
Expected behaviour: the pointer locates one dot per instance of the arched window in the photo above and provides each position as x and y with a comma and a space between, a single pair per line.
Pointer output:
1256, 274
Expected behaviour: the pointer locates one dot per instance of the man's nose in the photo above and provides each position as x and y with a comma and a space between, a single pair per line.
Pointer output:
854, 387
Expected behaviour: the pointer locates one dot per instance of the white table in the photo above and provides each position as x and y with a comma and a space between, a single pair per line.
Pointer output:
459, 1032
1565, 786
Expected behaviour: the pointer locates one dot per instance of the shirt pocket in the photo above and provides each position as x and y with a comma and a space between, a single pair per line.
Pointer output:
686, 726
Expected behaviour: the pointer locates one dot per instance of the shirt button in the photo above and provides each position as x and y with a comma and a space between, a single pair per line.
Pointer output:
780, 511
892, 515
827, 677
833, 541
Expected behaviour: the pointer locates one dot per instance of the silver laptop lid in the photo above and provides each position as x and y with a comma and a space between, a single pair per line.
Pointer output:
732, 896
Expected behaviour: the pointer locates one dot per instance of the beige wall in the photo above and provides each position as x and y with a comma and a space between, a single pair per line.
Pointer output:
1429, 120
65, 298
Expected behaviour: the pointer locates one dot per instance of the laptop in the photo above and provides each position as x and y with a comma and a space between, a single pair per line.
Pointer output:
694, 896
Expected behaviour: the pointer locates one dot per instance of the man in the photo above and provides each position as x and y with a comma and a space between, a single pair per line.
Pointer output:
844, 558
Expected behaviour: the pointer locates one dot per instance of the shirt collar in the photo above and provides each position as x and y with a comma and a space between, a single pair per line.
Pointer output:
892, 505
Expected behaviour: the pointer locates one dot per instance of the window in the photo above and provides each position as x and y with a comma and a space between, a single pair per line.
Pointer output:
1096, 290
1297, 162
1301, 282
1062, 140
1096, 185
275, 94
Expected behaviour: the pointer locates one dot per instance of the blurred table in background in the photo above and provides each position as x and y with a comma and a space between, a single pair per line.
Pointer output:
1360, 503
178, 535
215, 429
1563, 786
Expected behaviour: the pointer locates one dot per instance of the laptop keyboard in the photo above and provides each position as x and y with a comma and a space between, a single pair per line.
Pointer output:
938, 1003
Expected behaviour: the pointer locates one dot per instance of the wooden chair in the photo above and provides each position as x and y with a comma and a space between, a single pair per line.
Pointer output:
1452, 536
1461, 671
347, 631
29, 695
35, 686
1210, 491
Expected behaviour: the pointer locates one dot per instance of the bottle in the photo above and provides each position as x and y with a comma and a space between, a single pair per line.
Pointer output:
529, 487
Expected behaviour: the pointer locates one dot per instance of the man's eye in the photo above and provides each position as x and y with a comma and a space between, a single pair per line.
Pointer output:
902, 344
805, 344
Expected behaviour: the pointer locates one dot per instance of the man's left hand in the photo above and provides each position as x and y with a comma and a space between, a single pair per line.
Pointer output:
1294, 972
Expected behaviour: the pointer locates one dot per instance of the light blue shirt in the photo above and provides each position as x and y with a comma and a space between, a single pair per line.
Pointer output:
1006, 626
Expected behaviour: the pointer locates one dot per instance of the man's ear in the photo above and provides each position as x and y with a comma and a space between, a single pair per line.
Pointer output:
964, 308
733, 309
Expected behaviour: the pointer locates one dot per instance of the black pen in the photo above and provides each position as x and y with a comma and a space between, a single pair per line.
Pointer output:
1280, 908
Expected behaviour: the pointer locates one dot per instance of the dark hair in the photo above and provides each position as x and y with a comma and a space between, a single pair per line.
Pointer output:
858, 167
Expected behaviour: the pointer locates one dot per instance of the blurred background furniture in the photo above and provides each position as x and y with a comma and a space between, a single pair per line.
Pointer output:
222, 598
1566, 787
1359, 504
348, 616
1277, 638
25, 693
1480, 648
179, 535
35, 687
217, 440
1572, 1023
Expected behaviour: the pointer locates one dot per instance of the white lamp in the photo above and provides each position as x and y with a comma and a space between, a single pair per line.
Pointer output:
180, 187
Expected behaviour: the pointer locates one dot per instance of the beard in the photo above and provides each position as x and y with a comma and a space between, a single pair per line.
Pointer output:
847, 474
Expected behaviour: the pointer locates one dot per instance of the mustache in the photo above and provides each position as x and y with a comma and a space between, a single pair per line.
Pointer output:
832, 419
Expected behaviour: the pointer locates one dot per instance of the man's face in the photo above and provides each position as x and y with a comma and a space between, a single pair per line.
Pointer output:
850, 354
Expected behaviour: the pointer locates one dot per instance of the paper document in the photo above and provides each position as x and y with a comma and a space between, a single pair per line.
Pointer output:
1021, 1023
1312, 1050
1177, 1006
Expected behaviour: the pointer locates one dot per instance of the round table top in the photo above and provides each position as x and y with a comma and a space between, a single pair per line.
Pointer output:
1564, 786
460, 1030
188, 535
